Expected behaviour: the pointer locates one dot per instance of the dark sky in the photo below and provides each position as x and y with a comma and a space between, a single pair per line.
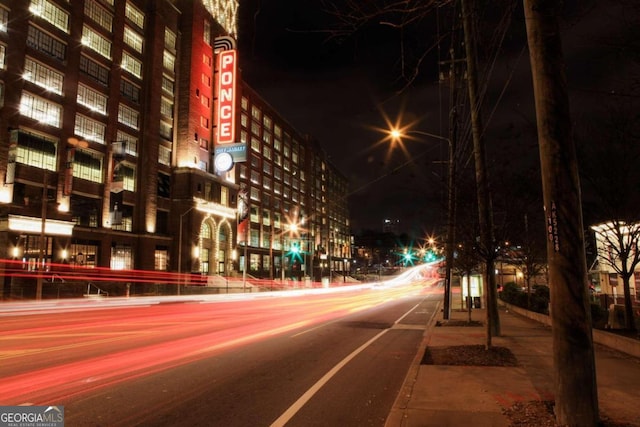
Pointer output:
339, 90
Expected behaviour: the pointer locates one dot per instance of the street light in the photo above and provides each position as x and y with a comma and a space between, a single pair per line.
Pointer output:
395, 135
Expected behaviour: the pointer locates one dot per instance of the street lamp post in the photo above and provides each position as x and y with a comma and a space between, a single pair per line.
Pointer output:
397, 134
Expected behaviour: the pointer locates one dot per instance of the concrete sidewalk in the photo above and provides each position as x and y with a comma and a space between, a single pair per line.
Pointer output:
442, 395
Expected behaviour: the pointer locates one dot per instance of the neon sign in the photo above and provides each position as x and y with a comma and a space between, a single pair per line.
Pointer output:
226, 96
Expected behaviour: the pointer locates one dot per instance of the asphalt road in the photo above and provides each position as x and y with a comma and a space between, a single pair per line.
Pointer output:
310, 360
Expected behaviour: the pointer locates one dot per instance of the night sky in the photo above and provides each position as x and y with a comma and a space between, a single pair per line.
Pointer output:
340, 89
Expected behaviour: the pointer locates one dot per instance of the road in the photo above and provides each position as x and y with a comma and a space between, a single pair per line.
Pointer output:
304, 359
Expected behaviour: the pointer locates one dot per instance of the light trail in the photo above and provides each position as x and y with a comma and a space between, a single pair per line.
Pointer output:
78, 351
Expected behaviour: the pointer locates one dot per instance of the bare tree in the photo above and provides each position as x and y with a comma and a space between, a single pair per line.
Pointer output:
618, 247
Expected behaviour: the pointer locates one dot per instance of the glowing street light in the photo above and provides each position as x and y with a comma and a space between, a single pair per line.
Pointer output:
395, 135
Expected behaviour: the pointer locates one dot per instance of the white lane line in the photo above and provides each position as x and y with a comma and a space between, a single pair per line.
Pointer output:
293, 409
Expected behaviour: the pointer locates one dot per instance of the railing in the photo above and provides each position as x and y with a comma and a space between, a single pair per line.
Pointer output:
99, 292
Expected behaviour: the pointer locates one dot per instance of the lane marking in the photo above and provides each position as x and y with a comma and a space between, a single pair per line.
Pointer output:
298, 404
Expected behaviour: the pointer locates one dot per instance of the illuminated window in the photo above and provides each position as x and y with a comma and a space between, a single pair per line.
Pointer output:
256, 113
50, 13
169, 39
255, 128
266, 152
277, 130
130, 143
98, 14
287, 150
161, 260
244, 103
121, 256
44, 43
255, 144
205, 101
96, 42
266, 168
128, 116
4, 19
92, 99
224, 196
95, 71
168, 85
206, 80
40, 109
267, 183
244, 136
36, 150
255, 177
277, 188
169, 61
134, 14
244, 120
89, 129
267, 122
277, 144
164, 155
132, 39
206, 32
266, 137
88, 166
255, 194
277, 173
3, 56
42, 76
166, 107
126, 174
131, 64
166, 130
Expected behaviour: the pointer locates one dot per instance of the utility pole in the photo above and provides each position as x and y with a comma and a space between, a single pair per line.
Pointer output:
485, 214
576, 402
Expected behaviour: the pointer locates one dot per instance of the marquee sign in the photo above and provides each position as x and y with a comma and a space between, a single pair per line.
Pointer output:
227, 69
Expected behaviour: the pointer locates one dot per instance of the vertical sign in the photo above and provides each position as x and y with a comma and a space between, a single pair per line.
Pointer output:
225, 122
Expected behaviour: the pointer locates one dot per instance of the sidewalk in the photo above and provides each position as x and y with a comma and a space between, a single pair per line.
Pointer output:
442, 395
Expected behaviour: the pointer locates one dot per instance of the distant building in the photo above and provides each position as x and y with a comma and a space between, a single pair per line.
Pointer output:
390, 225
113, 118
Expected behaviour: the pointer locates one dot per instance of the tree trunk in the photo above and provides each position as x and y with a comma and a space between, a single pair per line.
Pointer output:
629, 322
574, 364
485, 216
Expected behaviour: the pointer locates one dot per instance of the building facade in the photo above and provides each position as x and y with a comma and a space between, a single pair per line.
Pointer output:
110, 111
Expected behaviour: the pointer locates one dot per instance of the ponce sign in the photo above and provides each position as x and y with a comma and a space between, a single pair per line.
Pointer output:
227, 66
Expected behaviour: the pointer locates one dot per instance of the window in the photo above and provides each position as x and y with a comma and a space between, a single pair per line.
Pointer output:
266, 168
206, 60
40, 109
167, 85
166, 131
256, 113
121, 256
45, 43
134, 14
169, 39
96, 42
224, 196
89, 129
266, 152
255, 177
277, 130
255, 144
4, 19
87, 165
206, 32
166, 107
36, 150
3, 56
126, 174
244, 103
164, 155
93, 70
161, 260
169, 61
130, 143
204, 143
98, 14
255, 128
128, 116
255, 194
50, 13
131, 64
206, 80
130, 91
132, 39
43, 76
204, 122
205, 101
92, 99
